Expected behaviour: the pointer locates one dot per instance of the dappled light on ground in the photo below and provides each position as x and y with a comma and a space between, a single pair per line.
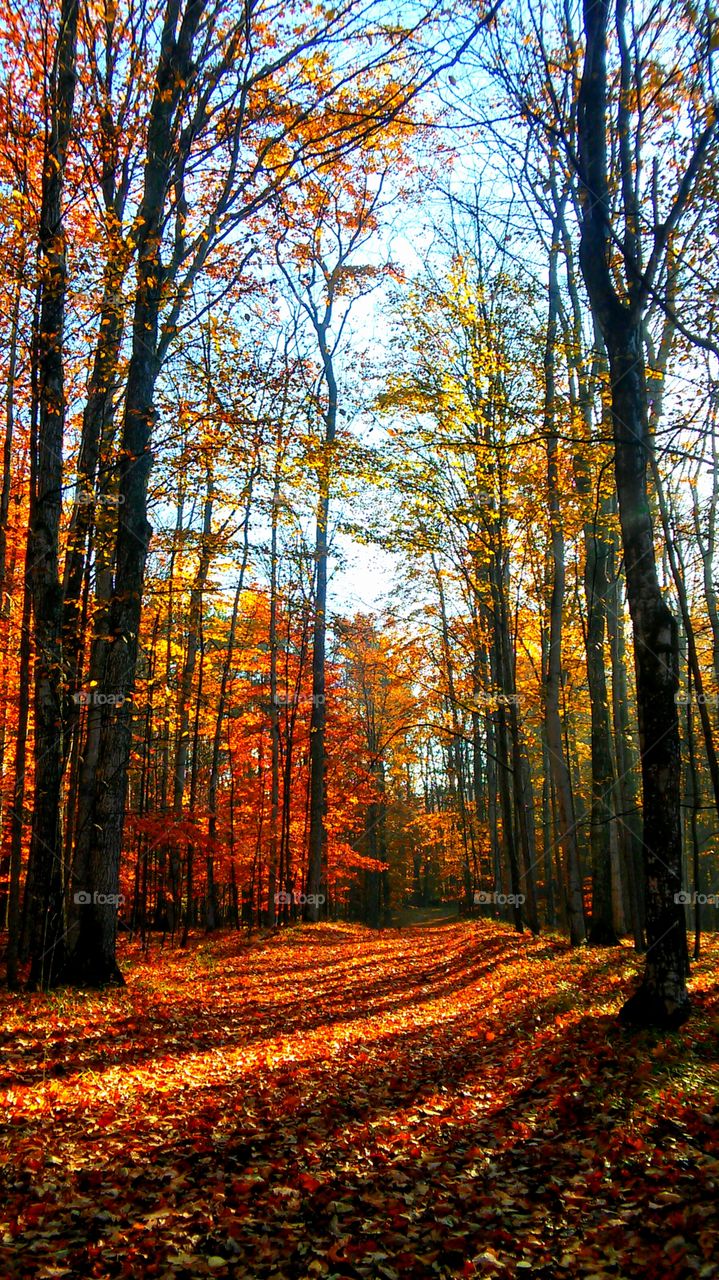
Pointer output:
442, 1101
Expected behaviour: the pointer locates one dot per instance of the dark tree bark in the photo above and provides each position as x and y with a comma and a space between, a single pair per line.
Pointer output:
17, 813
45, 886
8, 436
695, 799
662, 998
92, 961
97, 433
5, 488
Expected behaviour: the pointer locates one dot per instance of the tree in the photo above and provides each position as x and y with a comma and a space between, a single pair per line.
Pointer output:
557, 759
619, 306
316, 257
45, 880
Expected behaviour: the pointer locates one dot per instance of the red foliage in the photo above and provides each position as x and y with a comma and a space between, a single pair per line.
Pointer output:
448, 1101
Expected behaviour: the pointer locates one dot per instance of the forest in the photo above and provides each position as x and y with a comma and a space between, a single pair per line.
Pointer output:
359, 614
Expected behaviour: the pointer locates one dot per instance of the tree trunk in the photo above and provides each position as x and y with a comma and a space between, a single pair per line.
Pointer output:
626, 803
46, 916
93, 959
662, 998
225, 677
318, 717
695, 798
274, 707
98, 425
678, 573
552, 720
17, 813
193, 641
5, 577
597, 548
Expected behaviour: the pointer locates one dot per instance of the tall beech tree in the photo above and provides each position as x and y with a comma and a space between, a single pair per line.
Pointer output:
584, 370
45, 878
619, 293
93, 955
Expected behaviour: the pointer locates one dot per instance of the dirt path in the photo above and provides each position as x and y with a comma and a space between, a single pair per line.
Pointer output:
450, 1100
413, 917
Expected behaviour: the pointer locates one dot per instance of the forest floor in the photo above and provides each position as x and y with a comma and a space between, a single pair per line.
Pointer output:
440, 1101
